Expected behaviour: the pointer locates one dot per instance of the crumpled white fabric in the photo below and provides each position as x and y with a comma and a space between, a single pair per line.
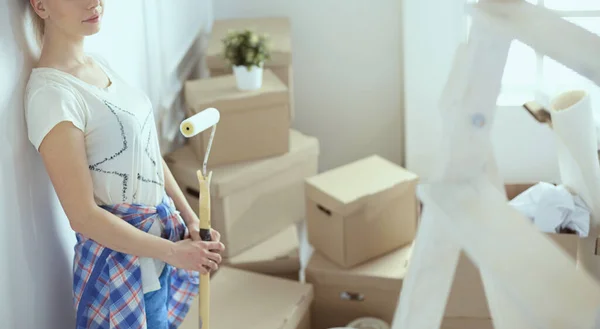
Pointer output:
553, 209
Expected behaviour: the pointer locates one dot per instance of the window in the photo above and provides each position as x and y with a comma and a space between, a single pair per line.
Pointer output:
529, 75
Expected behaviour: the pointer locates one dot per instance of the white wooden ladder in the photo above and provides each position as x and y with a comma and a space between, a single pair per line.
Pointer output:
530, 282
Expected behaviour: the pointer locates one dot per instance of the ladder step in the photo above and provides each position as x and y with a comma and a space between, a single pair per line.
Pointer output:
545, 31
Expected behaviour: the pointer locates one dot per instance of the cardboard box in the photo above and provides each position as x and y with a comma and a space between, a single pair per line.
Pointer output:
242, 299
467, 296
253, 124
279, 32
368, 290
251, 201
278, 256
361, 210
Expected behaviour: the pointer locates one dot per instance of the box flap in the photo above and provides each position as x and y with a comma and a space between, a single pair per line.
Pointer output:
221, 92
283, 245
278, 29
385, 272
512, 190
242, 299
229, 178
345, 188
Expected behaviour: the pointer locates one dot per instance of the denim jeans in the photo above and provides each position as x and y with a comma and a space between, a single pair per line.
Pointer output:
156, 303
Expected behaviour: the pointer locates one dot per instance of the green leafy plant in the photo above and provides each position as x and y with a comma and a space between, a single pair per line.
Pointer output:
246, 48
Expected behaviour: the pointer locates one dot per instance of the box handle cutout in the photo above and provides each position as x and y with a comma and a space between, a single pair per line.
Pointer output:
354, 296
325, 210
193, 192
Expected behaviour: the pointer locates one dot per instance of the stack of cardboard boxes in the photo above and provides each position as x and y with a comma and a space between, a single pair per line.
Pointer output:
361, 217
259, 165
362, 220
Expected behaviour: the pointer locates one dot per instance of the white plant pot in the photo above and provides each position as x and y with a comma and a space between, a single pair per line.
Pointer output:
248, 79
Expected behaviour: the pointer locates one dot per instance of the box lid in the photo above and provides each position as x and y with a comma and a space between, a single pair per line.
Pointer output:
242, 299
344, 189
385, 272
221, 92
229, 178
278, 29
283, 247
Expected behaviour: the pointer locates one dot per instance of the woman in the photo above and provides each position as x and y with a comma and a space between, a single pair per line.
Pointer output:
136, 259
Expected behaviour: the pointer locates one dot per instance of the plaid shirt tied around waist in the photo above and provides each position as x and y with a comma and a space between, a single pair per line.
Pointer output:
107, 285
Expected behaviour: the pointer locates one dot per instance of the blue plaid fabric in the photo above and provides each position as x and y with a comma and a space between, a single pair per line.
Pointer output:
107, 285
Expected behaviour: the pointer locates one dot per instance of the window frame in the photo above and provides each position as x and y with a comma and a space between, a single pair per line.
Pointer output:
536, 90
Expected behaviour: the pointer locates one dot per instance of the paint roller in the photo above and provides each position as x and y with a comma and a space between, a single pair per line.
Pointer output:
190, 127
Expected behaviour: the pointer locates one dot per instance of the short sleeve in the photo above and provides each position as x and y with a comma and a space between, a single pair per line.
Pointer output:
47, 106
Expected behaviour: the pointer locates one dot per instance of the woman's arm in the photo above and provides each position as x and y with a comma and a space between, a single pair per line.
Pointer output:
64, 155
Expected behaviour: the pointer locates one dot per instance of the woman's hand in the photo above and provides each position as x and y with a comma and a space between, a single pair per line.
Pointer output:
200, 256
193, 225
215, 236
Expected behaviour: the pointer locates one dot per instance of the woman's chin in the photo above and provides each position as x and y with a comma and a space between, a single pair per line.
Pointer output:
91, 30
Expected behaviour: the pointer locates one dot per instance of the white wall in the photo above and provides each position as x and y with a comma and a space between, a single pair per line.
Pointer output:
36, 242
347, 72
524, 150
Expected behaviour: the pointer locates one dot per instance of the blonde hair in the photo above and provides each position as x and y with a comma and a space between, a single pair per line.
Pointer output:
38, 25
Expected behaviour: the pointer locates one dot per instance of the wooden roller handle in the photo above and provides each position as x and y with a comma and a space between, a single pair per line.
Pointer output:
204, 216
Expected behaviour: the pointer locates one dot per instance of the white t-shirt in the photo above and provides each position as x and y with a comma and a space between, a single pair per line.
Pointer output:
120, 137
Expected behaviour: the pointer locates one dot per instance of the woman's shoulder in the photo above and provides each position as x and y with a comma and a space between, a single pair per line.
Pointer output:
44, 79
48, 77
46, 85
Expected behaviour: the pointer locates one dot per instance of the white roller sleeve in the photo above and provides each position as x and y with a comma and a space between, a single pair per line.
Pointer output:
199, 122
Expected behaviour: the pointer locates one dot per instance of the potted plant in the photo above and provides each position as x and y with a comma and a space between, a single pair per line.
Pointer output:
247, 53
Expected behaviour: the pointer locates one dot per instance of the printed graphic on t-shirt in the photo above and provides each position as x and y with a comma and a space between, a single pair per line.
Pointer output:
99, 166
